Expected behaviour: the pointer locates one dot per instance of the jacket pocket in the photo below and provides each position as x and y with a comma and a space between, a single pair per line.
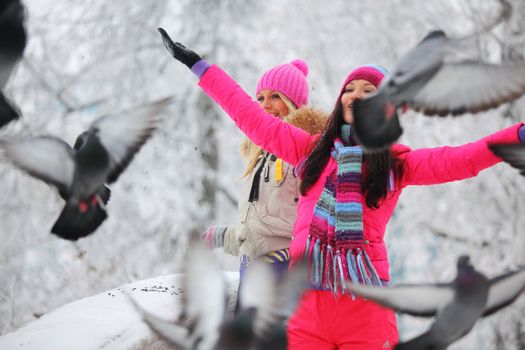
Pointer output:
278, 226
277, 206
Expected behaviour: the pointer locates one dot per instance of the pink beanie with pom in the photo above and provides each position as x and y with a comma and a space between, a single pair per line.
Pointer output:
288, 79
373, 73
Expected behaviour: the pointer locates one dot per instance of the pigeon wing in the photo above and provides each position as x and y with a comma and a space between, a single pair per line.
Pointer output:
513, 154
123, 134
45, 157
504, 290
416, 300
8, 111
205, 294
13, 37
274, 300
422, 61
165, 329
463, 87
258, 291
290, 291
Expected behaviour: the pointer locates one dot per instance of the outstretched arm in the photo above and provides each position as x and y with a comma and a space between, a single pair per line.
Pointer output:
444, 164
219, 236
272, 134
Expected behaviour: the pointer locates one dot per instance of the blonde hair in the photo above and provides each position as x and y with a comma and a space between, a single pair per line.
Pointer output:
250, 151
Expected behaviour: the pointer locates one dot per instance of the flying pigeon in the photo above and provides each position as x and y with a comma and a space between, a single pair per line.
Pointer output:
205, 303
438, 77
13, 40
103, 153
272, 303
514, 154
206, 323
98, 213
456, 305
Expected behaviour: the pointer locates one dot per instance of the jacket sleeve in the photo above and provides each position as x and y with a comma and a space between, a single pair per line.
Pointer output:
231, 241
272, 134
444, 164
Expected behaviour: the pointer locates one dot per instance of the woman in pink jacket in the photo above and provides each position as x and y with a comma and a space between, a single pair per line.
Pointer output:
347, 198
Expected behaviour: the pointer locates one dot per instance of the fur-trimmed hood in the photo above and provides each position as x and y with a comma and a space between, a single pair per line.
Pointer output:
307, 118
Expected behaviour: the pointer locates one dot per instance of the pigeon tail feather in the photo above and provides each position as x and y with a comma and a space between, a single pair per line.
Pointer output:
73, 224
7, 111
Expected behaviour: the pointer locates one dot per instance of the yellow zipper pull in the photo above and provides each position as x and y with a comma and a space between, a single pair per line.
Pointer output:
278, 170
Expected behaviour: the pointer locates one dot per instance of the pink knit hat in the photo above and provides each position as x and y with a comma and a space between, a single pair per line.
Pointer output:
288, 79
373, 73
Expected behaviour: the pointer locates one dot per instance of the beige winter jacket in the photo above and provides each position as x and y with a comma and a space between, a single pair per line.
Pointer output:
266, 225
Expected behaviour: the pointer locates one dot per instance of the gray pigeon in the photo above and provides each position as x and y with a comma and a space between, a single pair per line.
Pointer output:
103, 154
272, 302
513, 154
96, 215
438, 77
13, 40
456, 305
205, 303
206, 324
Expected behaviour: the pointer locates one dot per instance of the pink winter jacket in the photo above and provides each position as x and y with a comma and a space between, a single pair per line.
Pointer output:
421, 167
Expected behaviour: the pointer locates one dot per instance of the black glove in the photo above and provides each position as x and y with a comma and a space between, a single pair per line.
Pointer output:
179, 51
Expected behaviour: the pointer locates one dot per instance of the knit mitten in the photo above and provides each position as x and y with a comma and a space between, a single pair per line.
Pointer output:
182, 54
214, 236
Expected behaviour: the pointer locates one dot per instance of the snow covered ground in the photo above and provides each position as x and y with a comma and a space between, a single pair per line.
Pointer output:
107, 320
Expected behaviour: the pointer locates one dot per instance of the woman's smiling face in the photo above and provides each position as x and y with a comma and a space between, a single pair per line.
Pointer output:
272, 103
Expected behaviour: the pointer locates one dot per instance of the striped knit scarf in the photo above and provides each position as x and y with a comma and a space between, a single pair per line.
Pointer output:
335, 245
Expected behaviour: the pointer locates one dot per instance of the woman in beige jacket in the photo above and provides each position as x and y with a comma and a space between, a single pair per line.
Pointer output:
268, 202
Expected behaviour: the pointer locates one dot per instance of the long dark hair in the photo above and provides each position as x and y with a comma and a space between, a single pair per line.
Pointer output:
377, 165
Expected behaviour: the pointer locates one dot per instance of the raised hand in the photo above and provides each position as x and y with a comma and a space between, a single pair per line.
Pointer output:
179, 51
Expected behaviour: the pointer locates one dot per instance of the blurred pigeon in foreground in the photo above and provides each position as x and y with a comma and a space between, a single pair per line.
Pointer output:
103, 154
513, 154
456, 305
13, 40
206, 323
98, 213
205, 302
273, 302
438, 77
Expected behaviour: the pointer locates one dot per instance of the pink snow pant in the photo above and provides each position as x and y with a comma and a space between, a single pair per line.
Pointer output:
324, 321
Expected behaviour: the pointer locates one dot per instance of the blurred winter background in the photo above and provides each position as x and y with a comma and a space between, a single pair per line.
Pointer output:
88, 58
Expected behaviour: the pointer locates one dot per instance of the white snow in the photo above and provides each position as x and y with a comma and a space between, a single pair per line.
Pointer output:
107, 320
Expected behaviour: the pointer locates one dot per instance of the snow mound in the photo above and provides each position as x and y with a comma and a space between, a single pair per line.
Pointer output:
107, 320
